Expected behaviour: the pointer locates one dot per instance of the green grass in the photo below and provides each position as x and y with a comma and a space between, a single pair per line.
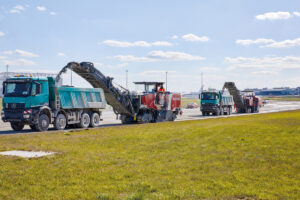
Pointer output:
283, 98
247, 157
185, 101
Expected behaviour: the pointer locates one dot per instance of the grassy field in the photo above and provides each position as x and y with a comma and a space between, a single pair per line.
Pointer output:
247, 157
185, 101
283, 98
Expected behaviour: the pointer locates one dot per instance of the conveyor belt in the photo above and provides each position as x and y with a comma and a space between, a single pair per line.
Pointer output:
237, 98
120, 102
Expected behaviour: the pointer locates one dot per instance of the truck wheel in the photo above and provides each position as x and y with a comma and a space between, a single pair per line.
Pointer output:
17, 126
43, 123
257, 109
84, 121
60, 122
95, 120
174, 116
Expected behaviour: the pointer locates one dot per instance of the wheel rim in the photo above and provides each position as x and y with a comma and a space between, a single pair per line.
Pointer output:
61, 122
44, 123
96, 120
85, 120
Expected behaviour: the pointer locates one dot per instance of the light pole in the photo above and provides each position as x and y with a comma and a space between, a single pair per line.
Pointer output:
127, 79
166, 80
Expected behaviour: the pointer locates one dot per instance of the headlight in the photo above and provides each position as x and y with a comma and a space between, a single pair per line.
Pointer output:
26, 116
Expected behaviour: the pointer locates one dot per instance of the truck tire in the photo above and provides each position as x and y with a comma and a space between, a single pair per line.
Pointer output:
84, 120
43, 123
17, 126
60, 122
229, 111
95, 120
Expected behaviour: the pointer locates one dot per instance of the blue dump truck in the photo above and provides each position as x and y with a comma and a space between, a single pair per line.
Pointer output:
38, 102
216, 102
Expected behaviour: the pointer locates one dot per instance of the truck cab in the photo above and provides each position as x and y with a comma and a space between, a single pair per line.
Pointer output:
23, 98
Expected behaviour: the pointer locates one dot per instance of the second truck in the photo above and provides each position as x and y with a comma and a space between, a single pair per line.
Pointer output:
216, 102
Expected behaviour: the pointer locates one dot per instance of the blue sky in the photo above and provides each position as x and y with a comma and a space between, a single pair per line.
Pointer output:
254, 43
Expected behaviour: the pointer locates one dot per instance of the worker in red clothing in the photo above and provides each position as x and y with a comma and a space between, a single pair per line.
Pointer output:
162, 89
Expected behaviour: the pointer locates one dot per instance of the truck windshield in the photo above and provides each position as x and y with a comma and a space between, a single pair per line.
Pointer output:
208, 96
17, 89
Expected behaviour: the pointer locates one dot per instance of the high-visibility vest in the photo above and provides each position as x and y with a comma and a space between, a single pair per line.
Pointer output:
162, 90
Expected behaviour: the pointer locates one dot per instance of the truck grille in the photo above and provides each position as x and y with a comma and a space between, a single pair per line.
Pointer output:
13, 106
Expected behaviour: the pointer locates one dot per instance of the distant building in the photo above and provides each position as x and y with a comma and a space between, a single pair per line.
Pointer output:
5, 75
277, 91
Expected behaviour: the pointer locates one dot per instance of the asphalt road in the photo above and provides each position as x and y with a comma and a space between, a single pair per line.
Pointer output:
109, 118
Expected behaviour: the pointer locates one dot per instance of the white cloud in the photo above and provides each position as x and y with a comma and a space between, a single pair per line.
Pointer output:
2, 57
8, 52
209, 69
2, 33
41, 8
274, 16
160, 56
14, 11
264, 73
25, 53
161, 43
61, 54
17, 9
118, 66
131, 58
257, 41
275, 63
115, 43
297, 14
52, 13
156, 72
172, 55
174, 37
19, 62
270, 42
194, 38
285, 43
96, 64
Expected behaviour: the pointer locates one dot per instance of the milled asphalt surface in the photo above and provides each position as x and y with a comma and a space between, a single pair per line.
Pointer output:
109, 118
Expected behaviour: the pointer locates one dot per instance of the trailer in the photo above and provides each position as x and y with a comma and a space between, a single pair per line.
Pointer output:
38, 102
